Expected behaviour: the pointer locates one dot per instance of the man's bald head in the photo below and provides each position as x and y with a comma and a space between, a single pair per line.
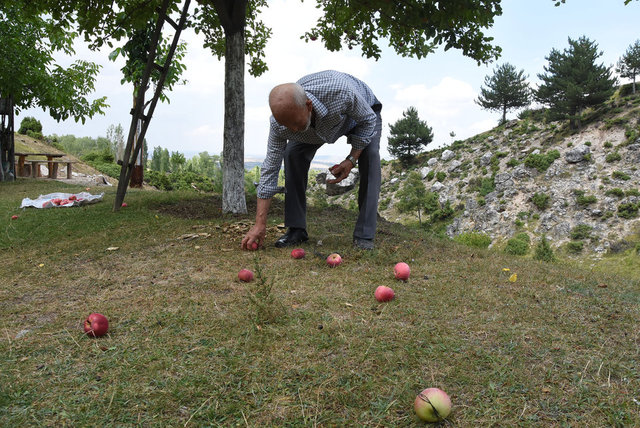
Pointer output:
290, 106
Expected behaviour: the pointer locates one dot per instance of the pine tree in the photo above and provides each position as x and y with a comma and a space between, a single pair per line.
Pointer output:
408, 135
573, 81
507, 89
629, 64
414, 197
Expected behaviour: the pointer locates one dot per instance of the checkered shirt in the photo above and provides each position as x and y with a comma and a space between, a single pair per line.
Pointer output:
343, 105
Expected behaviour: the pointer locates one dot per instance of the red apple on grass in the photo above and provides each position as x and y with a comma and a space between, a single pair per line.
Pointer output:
384, 294
96, 325
334, 260
432, 405
298, 253
401, 271
124, 205
254, 246
14, 217
245, 275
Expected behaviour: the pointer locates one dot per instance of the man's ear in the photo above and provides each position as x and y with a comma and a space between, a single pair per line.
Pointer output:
309, 104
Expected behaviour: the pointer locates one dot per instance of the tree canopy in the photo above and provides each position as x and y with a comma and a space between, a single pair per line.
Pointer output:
629, 64
507, 89
573, 80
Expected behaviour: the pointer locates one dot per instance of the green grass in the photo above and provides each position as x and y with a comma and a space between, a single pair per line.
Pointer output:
190, 345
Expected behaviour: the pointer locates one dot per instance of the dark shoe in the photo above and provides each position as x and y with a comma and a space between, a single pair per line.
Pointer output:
363, 244
292, 237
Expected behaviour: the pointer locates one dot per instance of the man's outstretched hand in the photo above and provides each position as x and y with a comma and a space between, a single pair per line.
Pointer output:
254, 238
340, 171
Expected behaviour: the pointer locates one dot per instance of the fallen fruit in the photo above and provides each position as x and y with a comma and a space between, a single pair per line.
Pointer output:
14, 217
432, 405
73, 197
245, 275
124, 205
384, 294
334, 260
254, 245
298, 253
402, 271
96, 325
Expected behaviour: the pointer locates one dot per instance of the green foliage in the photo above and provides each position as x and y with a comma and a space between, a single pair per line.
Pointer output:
474, 239
513, 162
430, 175
541, 200
30, 124
581, 231
617, 192
608, 145
613, 157
629, 64
414, 196
619, 175
632, 192
506, 90
518, 245
575, 247
573, 81
29, 72
582, 199
104, 156
628, 210
543, 251
408, 135
440, 176
540, 161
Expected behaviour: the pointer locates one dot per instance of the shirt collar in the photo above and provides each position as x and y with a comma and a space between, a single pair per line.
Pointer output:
319, 108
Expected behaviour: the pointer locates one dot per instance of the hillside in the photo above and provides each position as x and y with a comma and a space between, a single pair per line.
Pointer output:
581, 189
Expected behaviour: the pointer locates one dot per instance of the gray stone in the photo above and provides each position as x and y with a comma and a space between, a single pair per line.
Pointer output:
424, 171
432, 161
447, 155
437, 187
344, 186
455, 164
578, 154
486, 159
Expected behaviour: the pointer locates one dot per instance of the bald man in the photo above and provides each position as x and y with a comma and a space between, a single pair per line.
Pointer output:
319, 109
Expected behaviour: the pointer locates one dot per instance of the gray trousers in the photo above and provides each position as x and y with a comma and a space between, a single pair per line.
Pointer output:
297, 160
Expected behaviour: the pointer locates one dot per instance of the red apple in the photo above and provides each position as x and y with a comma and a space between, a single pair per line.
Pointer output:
432, 405
384, 294
14, 217
124, 205
334, 260
298, 253
65, 201
73, 197
56, 201
245, 275
254, 245
402, 271
96, 325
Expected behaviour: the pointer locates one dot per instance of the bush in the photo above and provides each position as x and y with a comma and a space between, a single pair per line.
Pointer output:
628, 211
543, 251
541, 201
613, 157
608, 145
583, 200
581, 231
517, 247
523, 236
430, 175
632, 192
474, 239
513, 162
30, 124
541, 162
620, 175
440, 176
575, 247
617, 192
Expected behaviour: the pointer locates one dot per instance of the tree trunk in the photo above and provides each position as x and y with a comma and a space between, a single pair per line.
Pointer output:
233, 197
504, 114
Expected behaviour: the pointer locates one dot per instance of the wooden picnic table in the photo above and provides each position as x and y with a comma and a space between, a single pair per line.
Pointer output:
35, 171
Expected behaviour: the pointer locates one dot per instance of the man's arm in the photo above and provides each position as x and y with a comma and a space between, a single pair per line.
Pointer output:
258, 232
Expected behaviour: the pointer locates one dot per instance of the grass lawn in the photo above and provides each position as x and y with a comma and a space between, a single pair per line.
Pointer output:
304, 344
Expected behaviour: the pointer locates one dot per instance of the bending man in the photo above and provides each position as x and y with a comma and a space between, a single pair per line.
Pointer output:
319, 108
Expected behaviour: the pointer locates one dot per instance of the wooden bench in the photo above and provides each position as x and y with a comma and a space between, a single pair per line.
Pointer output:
52, 166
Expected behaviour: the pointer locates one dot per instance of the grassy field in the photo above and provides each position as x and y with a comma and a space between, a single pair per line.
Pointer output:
303, 345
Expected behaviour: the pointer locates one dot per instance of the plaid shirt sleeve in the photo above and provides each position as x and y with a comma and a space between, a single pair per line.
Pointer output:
364, 117
276, 144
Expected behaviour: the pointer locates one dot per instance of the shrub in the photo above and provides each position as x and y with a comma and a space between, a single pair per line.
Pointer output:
440, 176
581, 231
30, 124
628, 211
613, 157
632, 192
541, 200
575, 247
583, 200
543, 251
620, 175
513, 162
608, 145
617, 192
517, 247
523, 236
541, 162
474, 239
430, 175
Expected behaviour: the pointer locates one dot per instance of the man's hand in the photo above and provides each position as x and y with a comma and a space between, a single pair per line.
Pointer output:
254, 238
340, 171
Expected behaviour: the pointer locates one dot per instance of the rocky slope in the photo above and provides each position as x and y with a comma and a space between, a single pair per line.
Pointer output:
581, 189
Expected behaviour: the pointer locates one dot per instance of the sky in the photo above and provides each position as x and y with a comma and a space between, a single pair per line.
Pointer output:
441, 86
